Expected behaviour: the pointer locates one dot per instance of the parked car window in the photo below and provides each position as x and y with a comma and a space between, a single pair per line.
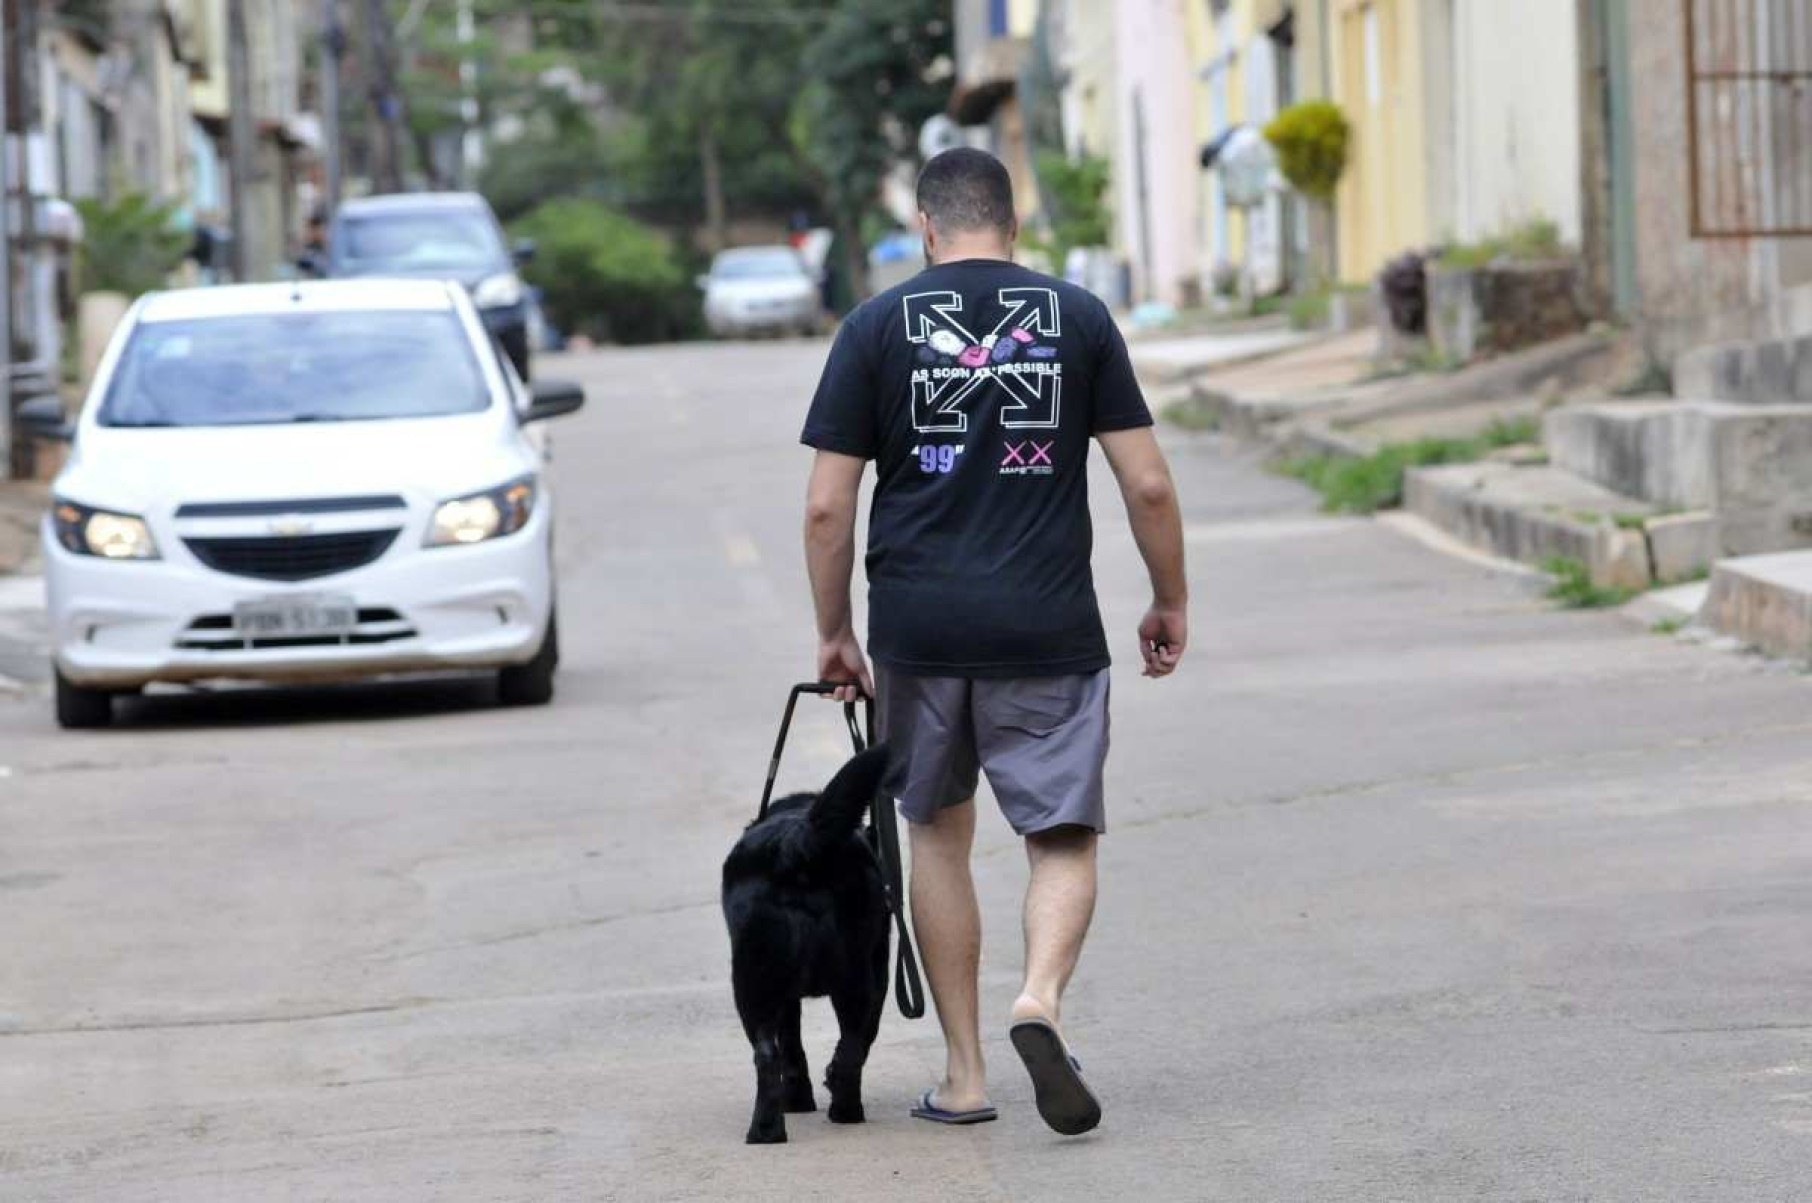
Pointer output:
411, 242
762, 264
295, 367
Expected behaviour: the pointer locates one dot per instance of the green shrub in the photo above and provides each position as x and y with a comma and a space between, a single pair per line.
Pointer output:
1311, 140
1532, 241
1192, 413
608, 276
129, 245
1508, 432
1309, 310
1073, 191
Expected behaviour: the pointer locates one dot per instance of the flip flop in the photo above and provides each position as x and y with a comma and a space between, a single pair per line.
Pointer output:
926, 1109
1064, 1099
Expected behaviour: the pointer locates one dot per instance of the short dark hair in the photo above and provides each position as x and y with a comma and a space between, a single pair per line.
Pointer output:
967, 189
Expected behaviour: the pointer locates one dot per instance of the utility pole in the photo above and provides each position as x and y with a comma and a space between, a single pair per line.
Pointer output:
27, 284
471, 144
333, 51
6, 234
240, 133
386, 105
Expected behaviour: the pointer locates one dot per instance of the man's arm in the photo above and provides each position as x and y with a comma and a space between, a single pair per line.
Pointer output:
830, 559
1157, 526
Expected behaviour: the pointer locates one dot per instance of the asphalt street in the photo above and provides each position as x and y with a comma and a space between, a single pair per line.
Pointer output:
1414, 887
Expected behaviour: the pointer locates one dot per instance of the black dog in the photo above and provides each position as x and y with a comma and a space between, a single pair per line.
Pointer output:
808, 917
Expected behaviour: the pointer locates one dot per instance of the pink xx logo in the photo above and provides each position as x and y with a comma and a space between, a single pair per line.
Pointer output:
1028, 455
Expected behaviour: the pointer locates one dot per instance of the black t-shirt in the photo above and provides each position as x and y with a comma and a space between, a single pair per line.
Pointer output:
976, 387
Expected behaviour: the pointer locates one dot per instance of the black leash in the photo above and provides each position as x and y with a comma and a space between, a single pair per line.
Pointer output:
883, 838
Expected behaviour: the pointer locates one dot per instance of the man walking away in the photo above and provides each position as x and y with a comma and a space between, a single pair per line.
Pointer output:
976, 387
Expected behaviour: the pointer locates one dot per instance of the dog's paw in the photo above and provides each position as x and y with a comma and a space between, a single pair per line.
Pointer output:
772, 1134
842, 1112
799, 1099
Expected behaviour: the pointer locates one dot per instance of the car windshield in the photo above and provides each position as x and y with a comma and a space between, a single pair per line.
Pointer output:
407, 242
765, 263
269, 368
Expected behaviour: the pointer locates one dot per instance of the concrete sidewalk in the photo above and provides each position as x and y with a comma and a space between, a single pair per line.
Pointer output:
24, 635
22, 506
1170, 360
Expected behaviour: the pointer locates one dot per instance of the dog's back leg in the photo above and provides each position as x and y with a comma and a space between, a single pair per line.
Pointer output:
796, 1091
761, 1016
858, 1003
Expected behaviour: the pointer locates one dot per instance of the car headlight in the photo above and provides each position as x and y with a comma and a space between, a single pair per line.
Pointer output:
498, 291
91, 532
491, 514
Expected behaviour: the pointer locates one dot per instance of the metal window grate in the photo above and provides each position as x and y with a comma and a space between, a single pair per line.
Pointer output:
1749, 117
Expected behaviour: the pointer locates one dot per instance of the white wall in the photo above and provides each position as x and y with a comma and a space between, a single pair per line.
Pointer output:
1516, 116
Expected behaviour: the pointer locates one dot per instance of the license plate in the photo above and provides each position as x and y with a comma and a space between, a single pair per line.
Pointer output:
288, 617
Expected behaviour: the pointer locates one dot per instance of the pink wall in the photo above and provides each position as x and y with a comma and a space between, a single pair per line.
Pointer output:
1157, 235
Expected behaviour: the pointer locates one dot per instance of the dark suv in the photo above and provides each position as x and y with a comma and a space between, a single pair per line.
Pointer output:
443, 235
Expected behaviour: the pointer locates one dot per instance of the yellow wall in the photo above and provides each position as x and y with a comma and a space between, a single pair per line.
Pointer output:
208, 86
1204, 49
1382, 206
1022, 17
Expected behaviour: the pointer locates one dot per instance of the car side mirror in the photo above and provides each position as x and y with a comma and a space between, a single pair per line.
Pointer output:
524, 251
552, 398
42, 417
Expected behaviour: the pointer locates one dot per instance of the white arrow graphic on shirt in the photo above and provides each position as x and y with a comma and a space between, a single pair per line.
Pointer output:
1033, 398
927, 311
1030, 309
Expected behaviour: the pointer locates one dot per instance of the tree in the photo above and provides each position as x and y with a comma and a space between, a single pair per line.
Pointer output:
698, 94
879, 70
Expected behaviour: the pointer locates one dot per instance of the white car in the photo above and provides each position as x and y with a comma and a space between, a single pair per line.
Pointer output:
761, 290
302, 482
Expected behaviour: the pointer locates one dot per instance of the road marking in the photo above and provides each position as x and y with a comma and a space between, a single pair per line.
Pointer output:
741, 551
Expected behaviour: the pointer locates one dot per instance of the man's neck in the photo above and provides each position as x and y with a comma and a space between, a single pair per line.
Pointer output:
961, 252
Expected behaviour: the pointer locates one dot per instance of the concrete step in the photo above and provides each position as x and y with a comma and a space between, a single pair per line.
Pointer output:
1765, 601
1750, 465
1775, 371
1534, 513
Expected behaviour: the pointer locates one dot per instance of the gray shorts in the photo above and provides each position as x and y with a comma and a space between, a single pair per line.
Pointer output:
1041, 740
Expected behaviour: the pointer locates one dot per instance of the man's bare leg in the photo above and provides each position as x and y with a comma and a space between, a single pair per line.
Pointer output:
1060, 902
948, 923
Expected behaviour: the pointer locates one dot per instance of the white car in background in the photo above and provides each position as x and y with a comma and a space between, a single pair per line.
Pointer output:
761, 290
302, 482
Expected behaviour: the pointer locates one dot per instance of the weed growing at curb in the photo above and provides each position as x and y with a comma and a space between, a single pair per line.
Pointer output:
1508, 432
1667, 626
1192, 413
1574, 590
1364, 485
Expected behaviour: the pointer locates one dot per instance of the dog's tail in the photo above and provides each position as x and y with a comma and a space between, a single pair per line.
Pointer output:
837, 811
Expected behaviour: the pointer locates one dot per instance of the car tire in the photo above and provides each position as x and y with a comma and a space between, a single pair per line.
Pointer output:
80, 709
532, 684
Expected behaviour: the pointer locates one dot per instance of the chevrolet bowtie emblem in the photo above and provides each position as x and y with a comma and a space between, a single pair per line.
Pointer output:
291, 525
